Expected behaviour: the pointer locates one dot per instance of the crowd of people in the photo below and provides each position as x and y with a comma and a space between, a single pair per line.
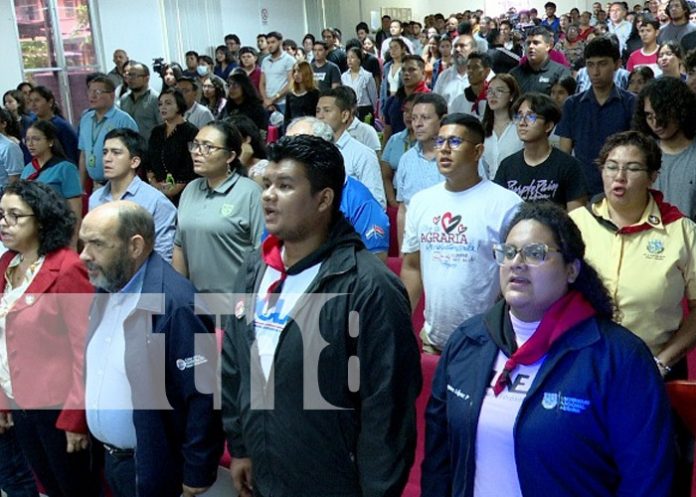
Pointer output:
212, 264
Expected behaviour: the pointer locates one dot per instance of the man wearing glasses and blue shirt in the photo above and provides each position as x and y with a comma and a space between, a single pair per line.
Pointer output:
450, 231
102, 117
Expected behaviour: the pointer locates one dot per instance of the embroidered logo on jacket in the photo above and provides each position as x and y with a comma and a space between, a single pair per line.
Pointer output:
564, 402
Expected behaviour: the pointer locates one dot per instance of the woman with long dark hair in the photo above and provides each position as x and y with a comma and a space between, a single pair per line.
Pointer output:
43, 105
242, 98
224, 62
209, 248
214, 95
16, 102
362, 82
253, 155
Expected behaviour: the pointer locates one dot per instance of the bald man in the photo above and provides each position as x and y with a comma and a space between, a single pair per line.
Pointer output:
116, 74
147, 353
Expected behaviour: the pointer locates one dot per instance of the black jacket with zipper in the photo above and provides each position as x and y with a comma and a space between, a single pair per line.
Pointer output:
312, 430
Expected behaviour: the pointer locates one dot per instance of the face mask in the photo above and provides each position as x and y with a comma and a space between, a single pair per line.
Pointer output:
202, 70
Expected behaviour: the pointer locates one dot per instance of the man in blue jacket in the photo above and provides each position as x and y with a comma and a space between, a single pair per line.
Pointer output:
150, 362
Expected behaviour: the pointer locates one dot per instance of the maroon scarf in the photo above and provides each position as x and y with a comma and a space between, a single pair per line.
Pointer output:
563, 315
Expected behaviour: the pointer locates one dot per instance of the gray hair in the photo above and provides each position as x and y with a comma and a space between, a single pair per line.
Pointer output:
318, 128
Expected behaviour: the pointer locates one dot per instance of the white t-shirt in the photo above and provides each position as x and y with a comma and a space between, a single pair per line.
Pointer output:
270, 321
455, 233
496, 469
496, 148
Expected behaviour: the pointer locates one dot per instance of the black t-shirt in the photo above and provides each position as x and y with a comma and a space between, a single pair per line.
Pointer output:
326, 75
338, 57
371, 64
169, 154
558, 179
305, 105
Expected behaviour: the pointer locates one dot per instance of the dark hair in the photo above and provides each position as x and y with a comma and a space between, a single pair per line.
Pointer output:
569, 84
648, 19
289, 43
23, 84
134, 220
276, 35
417, 58
685, 7
483, 57
362, 25
671, 100
471, 123
492, 36
11, 124
488, 115
345, 98
146, 69
357, 52
233, 37
464, 28
248, 129
177, 71
178, 98
247, 49
232, 141
402, 44
647, 146
220, 91
354, 43
437, 101
132, 140
207, 59
550, 4
248, 90
541, 104
49, 130
540, 31
191, 52
103, 79
602, 46
569, 239
322, 161
309, 36
321, 43
229, 58
20, 99
689, 60
675, 47
55, 219
47, 95
645, 72
188, 79
261, 35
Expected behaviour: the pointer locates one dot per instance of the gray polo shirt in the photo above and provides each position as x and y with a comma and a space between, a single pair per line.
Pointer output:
216, 227
144, 111
276, 72
199, 115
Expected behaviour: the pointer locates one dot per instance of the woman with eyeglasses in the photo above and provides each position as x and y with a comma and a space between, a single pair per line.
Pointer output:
170, 167
643, 248
501, 133
220, 216
538, 395
50, 166
44, 307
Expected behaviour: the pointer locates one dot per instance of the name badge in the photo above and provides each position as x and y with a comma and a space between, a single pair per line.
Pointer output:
92, 161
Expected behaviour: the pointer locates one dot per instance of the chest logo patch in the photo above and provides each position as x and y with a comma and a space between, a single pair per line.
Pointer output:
550, 400
226, 210
655, 247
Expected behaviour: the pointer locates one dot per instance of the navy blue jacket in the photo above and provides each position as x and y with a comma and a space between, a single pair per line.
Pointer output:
620, 443
178, 432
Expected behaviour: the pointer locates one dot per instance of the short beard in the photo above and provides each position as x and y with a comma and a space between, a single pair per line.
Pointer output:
115, 277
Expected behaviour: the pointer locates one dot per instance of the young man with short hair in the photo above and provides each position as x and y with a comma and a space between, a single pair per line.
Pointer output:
647, 54
618, 23
335, 53
262, 46
333, 350
125, 153
102, 117
539, 73
473, 100
448, 240
327, 75
335, 108
140, 102
540, 172
690, 66
276, 70
191, 58
590, 117
413, 78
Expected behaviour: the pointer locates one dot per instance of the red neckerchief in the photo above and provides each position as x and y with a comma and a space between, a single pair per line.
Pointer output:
272, 256
37, 169
668, 212
563, 315
421, 88
480, 97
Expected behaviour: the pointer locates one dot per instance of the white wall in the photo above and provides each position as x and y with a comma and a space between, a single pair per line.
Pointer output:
11, 73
